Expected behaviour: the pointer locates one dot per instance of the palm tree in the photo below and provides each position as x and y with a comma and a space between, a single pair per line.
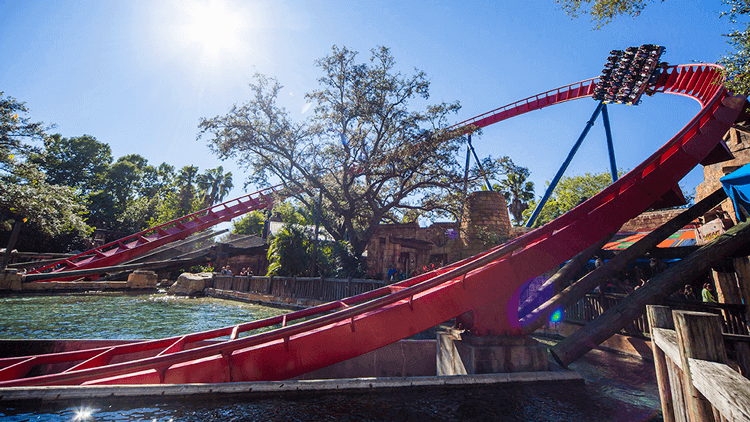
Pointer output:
516, 189
214, 185
184, 180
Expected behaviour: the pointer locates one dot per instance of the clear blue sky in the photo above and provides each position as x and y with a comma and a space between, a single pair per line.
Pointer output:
139, 75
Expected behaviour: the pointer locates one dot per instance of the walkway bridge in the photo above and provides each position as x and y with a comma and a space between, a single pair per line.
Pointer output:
481, 291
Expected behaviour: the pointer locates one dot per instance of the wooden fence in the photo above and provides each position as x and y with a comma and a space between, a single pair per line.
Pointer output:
695, 382
593, 305
315, 288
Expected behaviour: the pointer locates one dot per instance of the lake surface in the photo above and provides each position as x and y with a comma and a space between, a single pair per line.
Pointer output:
618, 388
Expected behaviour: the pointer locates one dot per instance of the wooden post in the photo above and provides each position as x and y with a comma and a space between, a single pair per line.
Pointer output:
11, 243
655, 290
727, 290
577, 290
269, 286
698, 337
742, 268
677, 387
661, 317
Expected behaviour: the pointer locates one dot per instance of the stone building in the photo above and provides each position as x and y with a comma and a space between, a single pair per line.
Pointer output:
737, 140
409, 247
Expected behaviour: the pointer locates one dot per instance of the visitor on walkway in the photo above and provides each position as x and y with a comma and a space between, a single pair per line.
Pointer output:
706, 294
392, 273
688, 295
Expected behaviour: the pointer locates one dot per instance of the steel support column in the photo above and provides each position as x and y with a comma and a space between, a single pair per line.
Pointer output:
564, 166
610, 145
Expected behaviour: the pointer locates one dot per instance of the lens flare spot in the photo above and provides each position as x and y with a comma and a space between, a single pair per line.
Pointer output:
556, 316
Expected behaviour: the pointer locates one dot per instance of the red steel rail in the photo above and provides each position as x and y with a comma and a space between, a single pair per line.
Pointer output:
137, 244
482, 291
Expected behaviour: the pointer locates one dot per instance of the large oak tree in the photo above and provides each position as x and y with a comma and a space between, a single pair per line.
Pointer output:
366, 151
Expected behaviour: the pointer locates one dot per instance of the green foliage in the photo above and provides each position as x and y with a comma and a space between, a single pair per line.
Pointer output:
15, 127
737, 64
131, 196
293, 212
50, 211
289, 252
250, 223
602, 12
137, 216
201, 269
489, 236
214, 185
80, 162
570, 191
516, 188
337, 260
289, 212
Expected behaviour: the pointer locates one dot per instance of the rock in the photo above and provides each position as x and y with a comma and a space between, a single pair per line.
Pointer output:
10, 280
142, 279
189, 284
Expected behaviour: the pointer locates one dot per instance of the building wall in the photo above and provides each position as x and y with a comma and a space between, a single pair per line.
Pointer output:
738, 141
435, 246
486, 223
257, 263
650, 220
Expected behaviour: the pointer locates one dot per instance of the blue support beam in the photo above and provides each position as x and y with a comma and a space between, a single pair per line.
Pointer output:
610, 145
564, 166
479, 164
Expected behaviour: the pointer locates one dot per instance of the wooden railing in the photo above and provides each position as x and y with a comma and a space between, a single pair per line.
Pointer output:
317, 288
695, 382
593, 305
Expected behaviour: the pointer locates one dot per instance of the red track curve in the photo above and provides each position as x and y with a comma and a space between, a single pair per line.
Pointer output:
480, 290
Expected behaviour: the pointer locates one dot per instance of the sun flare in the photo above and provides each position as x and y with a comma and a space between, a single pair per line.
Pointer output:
213, 26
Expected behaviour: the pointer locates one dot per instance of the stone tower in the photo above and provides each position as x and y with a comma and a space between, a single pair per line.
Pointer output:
485, 222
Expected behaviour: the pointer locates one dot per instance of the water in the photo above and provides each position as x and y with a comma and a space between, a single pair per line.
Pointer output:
617, 388
120, 316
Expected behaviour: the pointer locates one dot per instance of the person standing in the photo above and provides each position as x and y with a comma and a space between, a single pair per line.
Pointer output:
706, 294
687, 294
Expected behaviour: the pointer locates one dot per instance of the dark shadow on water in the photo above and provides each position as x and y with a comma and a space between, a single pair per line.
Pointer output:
618, 388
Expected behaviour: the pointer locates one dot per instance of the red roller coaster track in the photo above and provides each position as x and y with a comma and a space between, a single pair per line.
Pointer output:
137, 244
481, 289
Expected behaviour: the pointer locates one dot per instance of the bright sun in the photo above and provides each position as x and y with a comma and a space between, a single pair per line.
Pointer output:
212, 26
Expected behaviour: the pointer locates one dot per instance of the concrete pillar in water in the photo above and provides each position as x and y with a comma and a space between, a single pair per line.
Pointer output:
10, 279
462, 353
